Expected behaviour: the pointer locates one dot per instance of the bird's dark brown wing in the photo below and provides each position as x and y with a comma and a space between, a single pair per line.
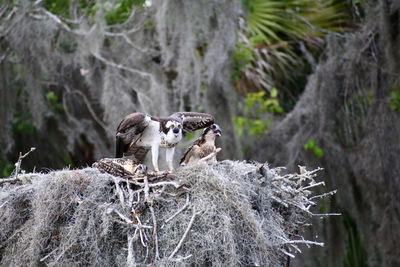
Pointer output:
134, 121
187, 154
128, 132
138, 152
192, 121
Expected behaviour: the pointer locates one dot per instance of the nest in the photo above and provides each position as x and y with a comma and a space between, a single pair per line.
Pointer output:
227, 214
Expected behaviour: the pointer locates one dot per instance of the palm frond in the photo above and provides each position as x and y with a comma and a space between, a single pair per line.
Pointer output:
278, 26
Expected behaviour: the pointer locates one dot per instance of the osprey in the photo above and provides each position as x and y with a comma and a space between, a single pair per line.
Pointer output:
203, 146
138, 133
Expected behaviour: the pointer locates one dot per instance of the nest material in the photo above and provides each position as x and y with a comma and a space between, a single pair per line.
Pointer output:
227, 214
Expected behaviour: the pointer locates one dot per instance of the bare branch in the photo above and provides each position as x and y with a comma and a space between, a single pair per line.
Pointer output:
120, 193
128, 221
122, 67
20, 158
3, 204
184, 235
130, 260
88, 105
63, 25
331, 193
155, 237
313, 185
8, 180
179, 211
213, 154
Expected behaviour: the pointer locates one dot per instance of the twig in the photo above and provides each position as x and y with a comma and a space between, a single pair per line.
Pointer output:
142, 239
130, 192
304, 242
120, 193
120, 66
313, 185
180, 258
128, 221
130, 260
127, 39
3, 204
20, 158
61, 23
324, 195
88, 105
327, 214
213, 154
155, 237
287, 253
175, 184
146, 190
179, 211
6, 180
184, 235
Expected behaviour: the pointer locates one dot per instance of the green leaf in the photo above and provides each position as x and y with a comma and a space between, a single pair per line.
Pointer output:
312, 146
52, 97
274, 92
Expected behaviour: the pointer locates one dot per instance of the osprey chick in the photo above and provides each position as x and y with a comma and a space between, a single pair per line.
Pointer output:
203, 146
138, 133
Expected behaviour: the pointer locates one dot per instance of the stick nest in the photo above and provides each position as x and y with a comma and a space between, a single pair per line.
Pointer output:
227, 214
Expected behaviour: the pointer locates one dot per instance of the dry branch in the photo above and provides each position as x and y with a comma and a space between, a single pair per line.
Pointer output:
184, 234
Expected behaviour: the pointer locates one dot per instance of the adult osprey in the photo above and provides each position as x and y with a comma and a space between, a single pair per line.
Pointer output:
138, 133
203, 146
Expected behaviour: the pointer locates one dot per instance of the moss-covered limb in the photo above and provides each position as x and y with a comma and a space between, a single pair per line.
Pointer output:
229, 213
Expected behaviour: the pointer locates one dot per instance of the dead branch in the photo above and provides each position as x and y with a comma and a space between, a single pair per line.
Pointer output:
3, 204
8, 180
64, 26
120, 66
155, 237
184, 234
20, 158
120, 193
331, 193
179, 211
130, 260
128, 221
213, 154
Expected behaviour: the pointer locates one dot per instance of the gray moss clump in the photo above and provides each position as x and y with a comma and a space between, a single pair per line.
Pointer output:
227, 214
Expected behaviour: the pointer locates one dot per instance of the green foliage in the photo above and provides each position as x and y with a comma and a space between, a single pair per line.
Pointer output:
68, 47
54, 102
189, 136
242, 58
259, 101
255, 105
356, 255
115, 12
277, 20
68, 161
21, 124
6, 168
253, 126
59, 7
312, 146
323, 206
278, 34
394, 98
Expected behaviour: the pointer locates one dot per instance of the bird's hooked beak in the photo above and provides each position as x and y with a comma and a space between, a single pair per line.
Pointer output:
216, 130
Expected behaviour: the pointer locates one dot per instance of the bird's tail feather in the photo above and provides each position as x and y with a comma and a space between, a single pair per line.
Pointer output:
119, 148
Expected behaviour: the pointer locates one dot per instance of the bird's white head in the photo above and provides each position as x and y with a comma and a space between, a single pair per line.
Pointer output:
174, 133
